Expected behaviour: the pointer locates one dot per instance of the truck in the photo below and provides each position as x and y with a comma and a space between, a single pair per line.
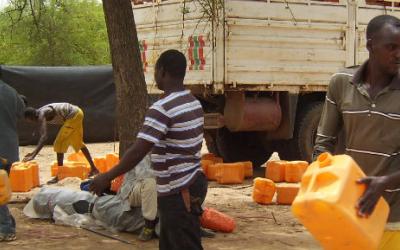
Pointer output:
260, 68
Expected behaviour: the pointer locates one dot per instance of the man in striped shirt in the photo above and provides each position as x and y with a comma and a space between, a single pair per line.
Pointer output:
366, 104
173, 130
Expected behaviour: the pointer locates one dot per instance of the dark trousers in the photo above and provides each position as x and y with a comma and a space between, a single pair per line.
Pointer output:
180, 229
7, 221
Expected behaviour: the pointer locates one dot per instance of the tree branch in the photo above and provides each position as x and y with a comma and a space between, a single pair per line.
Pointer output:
35, 21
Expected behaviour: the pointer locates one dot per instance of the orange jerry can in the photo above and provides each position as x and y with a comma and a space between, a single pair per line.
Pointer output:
230, 173
5, 188
326, 205
294, 170
35, 170
211, 157
101, 164
286, 193
248, 169
217, 160
205, 164
54, 168
112, 160
117, 183
275, 170
36, 180
208, 156
263, 190
215, 220
21, 178
212, 171
73, 169
78, 157
35, 173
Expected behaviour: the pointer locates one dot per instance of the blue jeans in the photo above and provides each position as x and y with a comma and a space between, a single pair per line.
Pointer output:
7, 221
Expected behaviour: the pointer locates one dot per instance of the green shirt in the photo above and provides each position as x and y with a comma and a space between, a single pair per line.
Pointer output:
371, 126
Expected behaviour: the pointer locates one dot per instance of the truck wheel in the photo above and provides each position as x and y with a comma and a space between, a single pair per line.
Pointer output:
307, 130
210, 138
241, 146
302, 144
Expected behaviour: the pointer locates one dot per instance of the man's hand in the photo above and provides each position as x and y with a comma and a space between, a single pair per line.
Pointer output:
376, 185
100, 183
29, 157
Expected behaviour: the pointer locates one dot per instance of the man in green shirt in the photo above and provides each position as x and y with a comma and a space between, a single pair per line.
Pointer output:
366, 103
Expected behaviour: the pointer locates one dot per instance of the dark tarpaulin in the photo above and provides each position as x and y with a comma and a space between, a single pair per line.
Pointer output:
90, 88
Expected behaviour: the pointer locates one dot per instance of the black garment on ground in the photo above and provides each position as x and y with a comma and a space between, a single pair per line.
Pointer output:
180, 230
6, 167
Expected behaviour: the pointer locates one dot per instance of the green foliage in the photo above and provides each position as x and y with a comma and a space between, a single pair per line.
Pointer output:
211, 9
53, 32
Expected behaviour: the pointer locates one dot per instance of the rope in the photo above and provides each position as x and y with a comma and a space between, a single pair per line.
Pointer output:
291, 12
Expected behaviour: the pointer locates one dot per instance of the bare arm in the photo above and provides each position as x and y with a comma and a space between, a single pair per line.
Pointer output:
131, 158
154, 128
42, 140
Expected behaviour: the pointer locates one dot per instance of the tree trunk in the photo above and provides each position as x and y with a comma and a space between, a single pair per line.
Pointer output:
129, 79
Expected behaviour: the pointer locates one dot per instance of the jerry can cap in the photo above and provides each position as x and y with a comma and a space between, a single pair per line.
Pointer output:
324, 159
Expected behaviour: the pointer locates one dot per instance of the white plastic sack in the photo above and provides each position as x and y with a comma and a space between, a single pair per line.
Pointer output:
75, 220
42, 205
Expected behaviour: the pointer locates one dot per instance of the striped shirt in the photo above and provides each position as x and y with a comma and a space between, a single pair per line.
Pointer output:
371, 126
63, 112
175, 125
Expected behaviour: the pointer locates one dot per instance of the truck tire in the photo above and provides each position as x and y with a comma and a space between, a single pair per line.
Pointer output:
241, 146
300, 147
307, 130
210, 138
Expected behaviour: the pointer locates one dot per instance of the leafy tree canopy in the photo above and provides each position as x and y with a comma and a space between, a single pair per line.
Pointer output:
53, 32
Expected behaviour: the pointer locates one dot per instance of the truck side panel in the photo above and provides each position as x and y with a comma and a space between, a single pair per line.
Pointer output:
172, 25
365, 13
272, 44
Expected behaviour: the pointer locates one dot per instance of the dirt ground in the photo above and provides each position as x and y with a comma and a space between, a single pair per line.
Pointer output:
257, 227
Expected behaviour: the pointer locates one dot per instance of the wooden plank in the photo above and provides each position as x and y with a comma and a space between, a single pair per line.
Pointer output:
301, 11
277, 78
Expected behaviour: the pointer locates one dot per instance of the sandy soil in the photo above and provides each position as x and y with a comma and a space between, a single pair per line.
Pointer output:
258, 227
